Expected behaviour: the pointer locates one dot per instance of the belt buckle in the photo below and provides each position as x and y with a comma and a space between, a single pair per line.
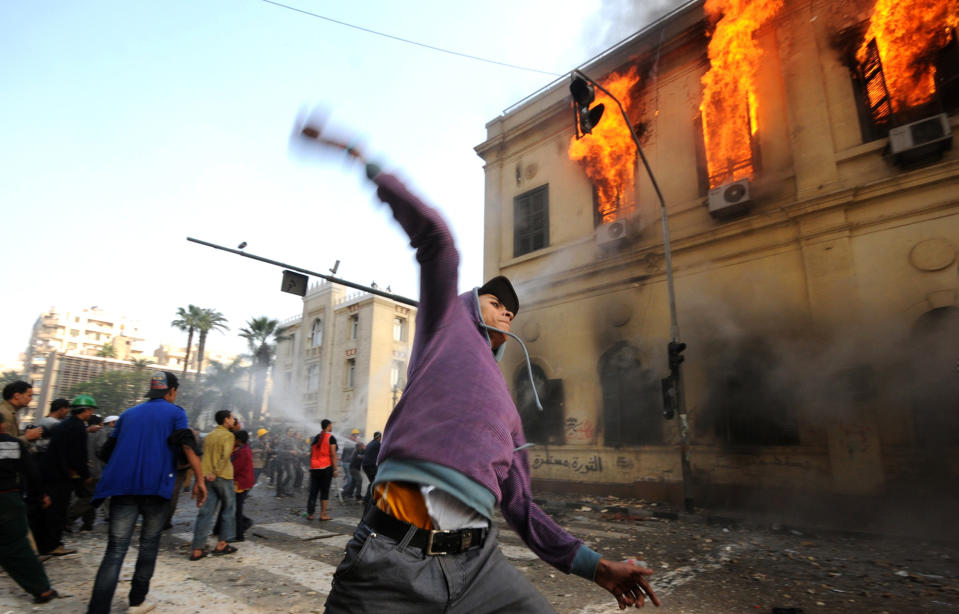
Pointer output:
429, 544
464, 542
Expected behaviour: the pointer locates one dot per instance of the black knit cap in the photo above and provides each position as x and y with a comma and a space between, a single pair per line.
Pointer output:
501, 288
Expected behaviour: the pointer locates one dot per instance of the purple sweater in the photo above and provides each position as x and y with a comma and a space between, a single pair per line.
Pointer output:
456, 410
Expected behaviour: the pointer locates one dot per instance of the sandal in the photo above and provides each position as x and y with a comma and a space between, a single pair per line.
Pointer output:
46, 596
228, 549
197, 557
325, 518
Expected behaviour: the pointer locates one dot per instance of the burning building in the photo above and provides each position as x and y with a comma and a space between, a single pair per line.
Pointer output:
804, 152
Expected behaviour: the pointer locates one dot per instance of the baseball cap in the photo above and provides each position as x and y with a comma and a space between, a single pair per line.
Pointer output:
501, 288
110, 419
160, 383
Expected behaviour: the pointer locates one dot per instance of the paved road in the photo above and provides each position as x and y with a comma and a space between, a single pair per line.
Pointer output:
702, 567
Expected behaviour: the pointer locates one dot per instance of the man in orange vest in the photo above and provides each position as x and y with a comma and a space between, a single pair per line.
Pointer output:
322, 470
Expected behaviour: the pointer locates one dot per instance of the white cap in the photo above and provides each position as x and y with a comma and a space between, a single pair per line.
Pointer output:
110, 419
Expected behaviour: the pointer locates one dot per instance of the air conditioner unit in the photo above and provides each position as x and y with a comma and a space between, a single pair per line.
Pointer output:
611, 233
729, 199
921, 140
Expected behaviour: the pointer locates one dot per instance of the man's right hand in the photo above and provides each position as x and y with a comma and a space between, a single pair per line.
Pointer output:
34, 433
199, 492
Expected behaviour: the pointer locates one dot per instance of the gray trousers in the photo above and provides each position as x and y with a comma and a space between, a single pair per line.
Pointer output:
380, 575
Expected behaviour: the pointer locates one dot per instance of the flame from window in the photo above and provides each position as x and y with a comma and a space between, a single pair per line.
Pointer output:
608, 154
730, 107
908, 33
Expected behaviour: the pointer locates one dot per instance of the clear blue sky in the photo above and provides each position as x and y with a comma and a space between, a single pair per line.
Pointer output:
127, 126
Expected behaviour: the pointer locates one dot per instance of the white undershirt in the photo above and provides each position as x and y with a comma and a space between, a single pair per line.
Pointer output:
449, 513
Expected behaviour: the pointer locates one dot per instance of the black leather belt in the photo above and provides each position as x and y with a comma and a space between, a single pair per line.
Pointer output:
430, 542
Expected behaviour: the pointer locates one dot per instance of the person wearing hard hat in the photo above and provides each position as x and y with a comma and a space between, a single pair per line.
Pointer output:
65, 470
258, 448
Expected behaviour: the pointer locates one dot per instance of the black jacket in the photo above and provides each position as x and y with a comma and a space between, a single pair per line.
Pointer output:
66, 456
17, 469
372, 451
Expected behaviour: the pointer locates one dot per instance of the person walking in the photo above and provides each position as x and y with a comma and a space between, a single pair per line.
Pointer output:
141, 455
16, 396
322, 470
82, 506
453, 449
217, 470
346, 457
355, 490
19, 476
243, 480
65, 471
242, 459
258, 447
286, 452
369, 463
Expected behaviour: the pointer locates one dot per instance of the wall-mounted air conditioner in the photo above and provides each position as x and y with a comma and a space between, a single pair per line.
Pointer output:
921, 140
729, 199
612, 233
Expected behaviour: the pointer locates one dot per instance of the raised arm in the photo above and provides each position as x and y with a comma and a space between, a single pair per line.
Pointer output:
429, 235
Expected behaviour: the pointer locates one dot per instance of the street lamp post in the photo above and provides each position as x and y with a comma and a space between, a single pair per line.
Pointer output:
581, 89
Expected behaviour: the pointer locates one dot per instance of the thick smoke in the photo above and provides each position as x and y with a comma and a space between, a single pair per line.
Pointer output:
619, 19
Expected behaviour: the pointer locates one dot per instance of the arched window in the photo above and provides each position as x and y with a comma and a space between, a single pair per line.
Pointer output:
932, 378
632, 407
316, 333
544, 426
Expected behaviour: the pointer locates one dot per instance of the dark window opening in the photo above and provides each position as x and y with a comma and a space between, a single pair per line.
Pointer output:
546, 426
531, 221
933, 376
947, 75
632, 403
873, 103
746, 402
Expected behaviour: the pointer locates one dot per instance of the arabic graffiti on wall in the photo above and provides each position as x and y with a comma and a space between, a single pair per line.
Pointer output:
589, 464
579, 430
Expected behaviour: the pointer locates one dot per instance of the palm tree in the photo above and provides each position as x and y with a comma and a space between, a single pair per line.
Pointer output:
107, 351
139, 364
261, 336
221, 391
186, 321
207, 320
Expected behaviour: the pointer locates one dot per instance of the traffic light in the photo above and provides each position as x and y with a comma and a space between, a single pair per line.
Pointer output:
675, 349
583, 96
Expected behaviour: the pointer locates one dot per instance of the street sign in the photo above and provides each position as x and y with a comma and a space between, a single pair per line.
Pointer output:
294, 283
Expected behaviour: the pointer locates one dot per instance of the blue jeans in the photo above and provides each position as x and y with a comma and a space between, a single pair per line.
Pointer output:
124, 511
218, 491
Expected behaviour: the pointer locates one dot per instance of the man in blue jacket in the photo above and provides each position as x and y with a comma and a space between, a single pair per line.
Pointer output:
453, 449
138, 478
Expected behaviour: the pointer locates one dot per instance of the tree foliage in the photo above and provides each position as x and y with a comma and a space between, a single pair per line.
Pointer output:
107, 351
114, 391
262, 335
207, 320
186, 320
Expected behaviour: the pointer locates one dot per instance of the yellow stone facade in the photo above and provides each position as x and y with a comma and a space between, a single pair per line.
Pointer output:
823, 324
345, 359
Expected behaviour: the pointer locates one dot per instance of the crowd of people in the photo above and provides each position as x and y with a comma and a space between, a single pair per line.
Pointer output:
75, 465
